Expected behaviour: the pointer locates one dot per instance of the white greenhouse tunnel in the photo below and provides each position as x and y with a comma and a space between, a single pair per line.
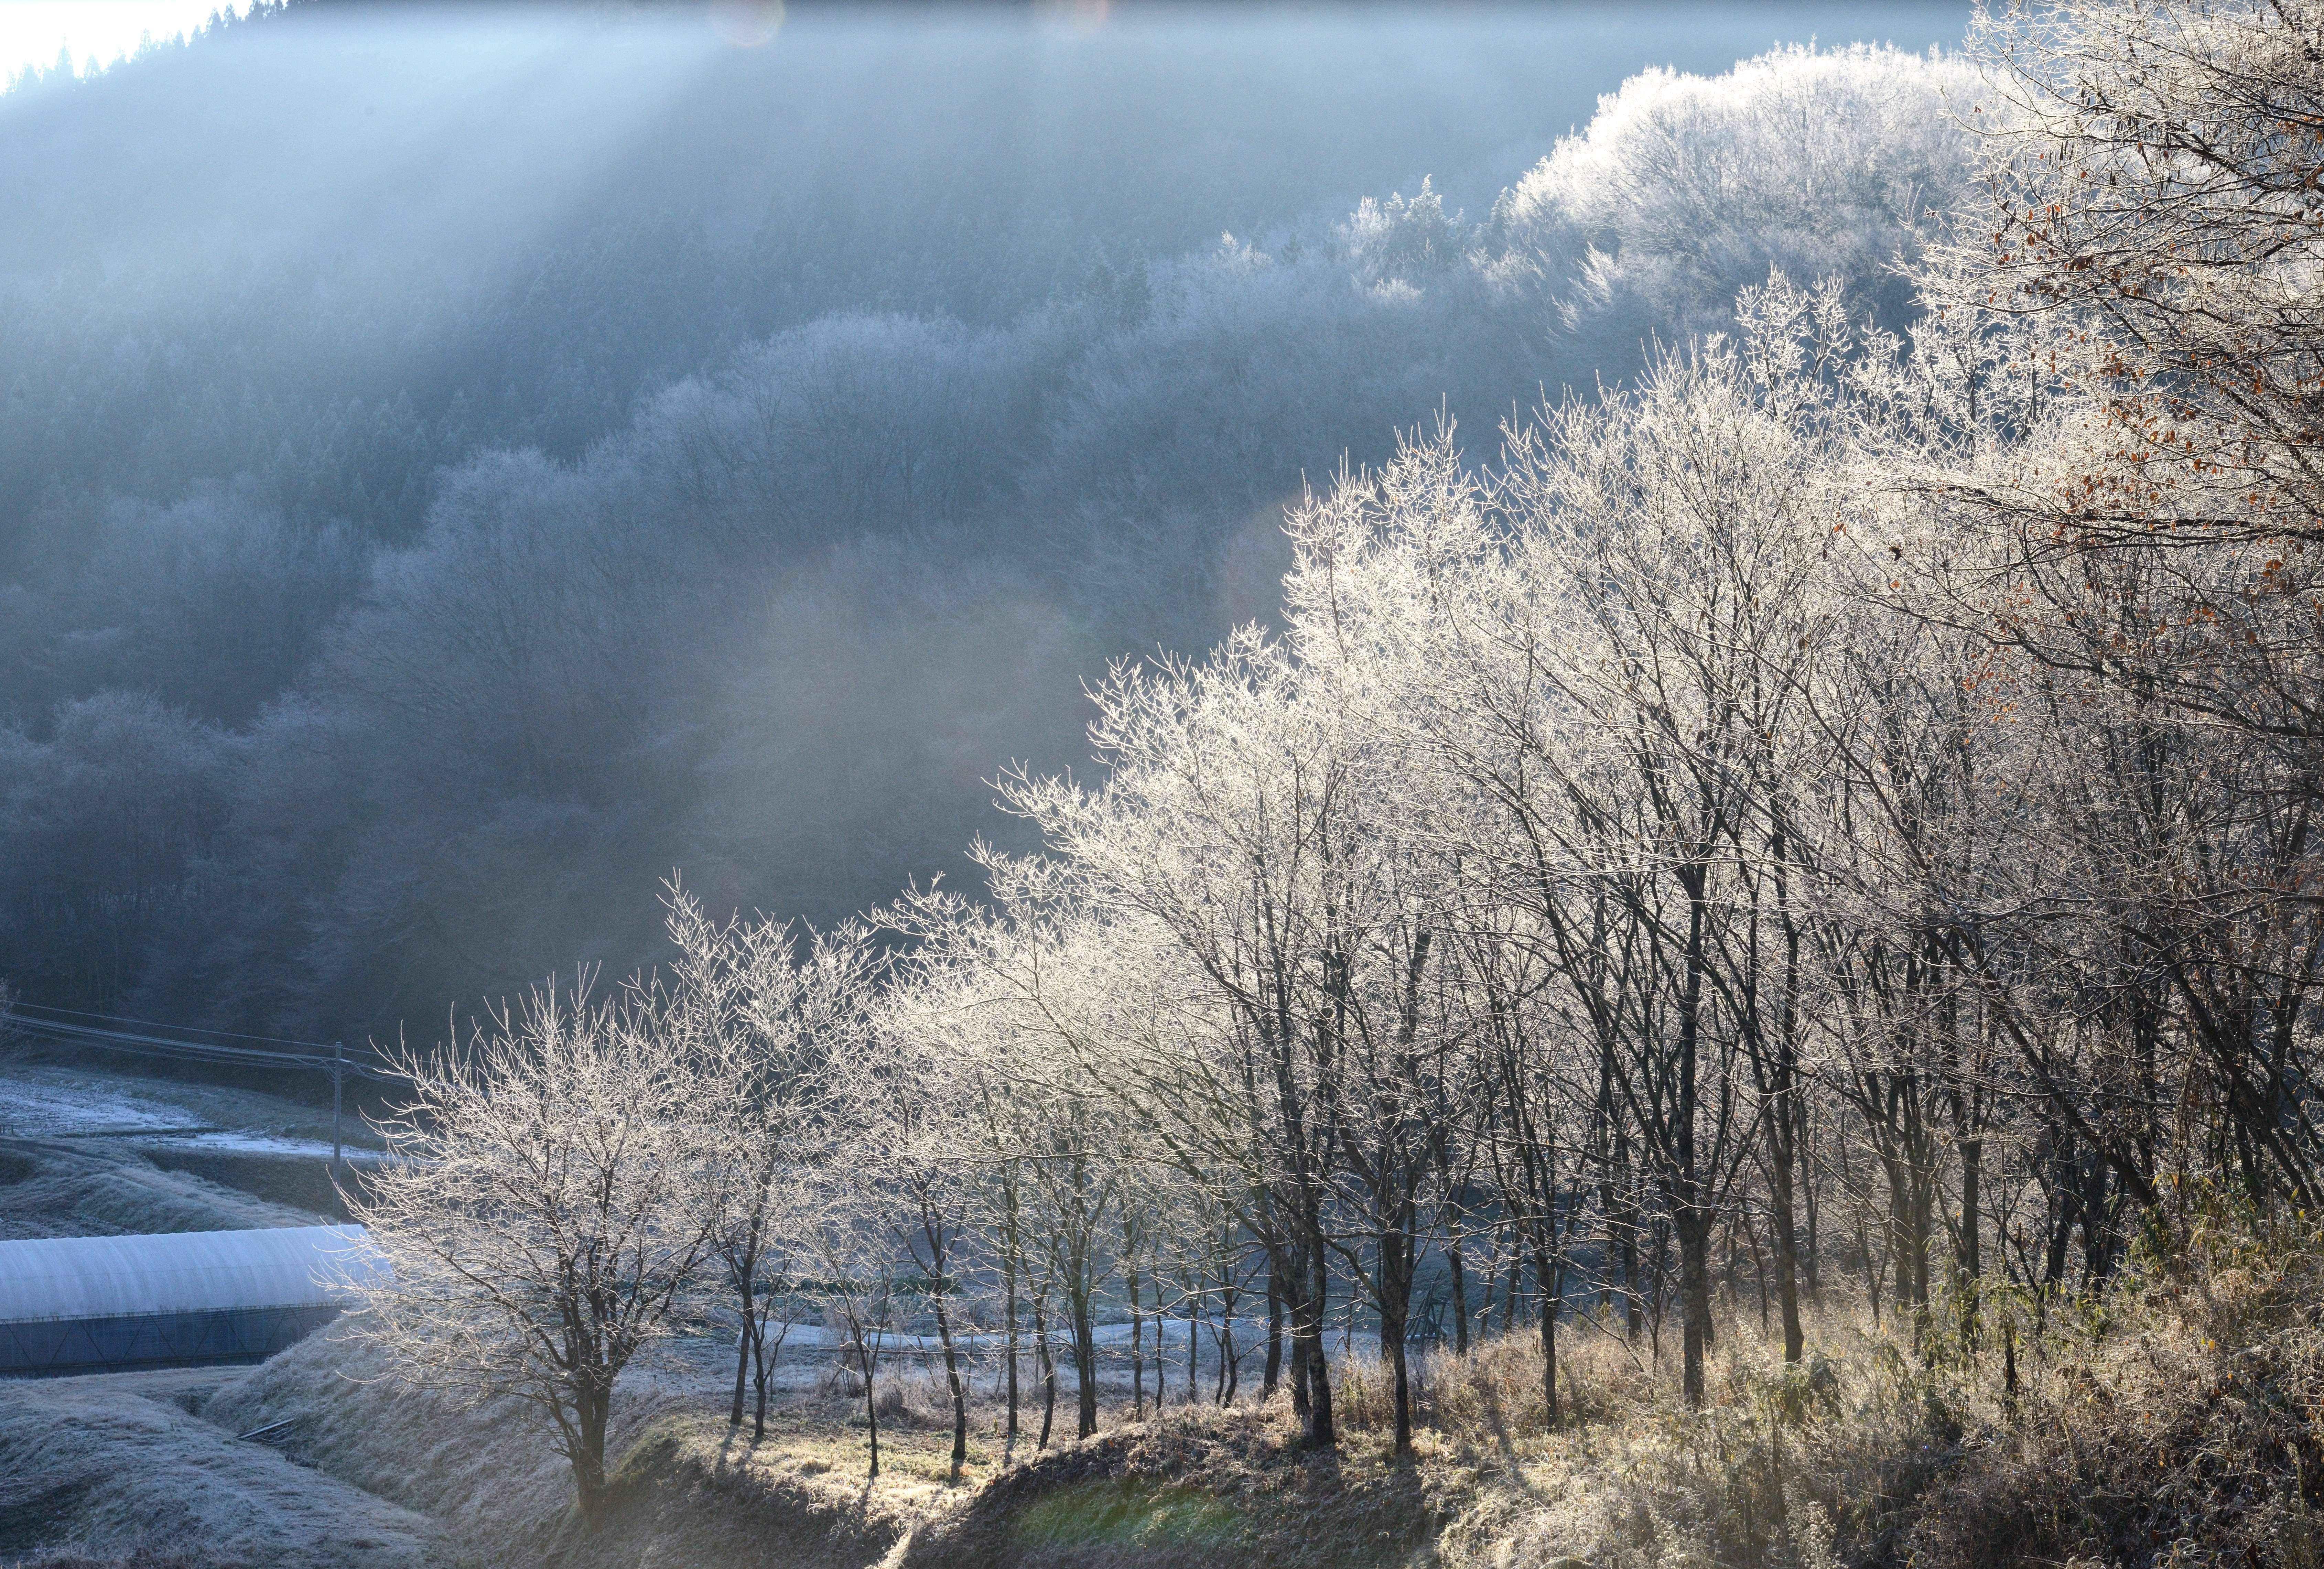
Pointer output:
95, 1304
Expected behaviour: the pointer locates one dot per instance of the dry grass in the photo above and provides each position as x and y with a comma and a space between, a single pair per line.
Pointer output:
1806, 1466
51, 1188
1780, 1467
2177, 1420
110, 1468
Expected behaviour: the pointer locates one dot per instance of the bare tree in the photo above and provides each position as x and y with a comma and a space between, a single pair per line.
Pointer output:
542, 1205
852, 1247
908, 1114
765, 1022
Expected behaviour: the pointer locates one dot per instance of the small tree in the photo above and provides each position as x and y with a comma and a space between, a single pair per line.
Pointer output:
910, 1116
764, 1022
852, 1249
541, 1208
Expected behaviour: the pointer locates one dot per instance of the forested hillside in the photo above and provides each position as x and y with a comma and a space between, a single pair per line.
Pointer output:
452, 474
1756, 936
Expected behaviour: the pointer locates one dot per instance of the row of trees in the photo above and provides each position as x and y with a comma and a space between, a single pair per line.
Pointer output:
1843, 806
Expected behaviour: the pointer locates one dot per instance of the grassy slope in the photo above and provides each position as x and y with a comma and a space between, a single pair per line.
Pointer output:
687, 1490
2180, 1415
55, 1188
1193, 1490
2177, 1420
108, 1466
485, 1474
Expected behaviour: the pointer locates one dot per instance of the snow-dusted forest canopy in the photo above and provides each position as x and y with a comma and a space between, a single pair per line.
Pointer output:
457, 467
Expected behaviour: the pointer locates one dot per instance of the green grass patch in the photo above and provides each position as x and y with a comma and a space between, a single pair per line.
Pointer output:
1119, 1512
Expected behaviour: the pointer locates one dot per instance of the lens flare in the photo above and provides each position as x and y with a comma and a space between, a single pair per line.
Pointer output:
746, 24
1074, 17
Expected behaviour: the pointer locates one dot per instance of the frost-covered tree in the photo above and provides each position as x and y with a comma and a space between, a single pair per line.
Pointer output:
907, 1111
543, 1208
108, 829
1684, 189
765, 1020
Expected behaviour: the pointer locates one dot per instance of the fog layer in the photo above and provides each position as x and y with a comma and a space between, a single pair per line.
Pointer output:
457, 467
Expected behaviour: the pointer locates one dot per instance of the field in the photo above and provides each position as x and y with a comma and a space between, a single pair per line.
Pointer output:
97, 1154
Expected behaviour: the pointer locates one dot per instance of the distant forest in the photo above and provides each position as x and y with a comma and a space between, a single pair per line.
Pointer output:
457, 467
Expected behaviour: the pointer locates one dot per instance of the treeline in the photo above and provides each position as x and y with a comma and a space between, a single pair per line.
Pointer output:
381, 630
1832, 820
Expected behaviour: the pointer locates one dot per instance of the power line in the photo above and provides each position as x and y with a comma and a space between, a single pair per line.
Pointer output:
164, 1024
90, 1035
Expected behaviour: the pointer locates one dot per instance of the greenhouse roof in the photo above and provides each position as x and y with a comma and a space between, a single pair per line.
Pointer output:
183, 1272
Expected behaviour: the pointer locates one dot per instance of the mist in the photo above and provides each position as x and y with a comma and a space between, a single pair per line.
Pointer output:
458, 466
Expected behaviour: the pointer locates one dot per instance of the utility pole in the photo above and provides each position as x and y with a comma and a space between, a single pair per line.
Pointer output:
338, 1077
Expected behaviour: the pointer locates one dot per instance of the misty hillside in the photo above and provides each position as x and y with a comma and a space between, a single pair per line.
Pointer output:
457, 466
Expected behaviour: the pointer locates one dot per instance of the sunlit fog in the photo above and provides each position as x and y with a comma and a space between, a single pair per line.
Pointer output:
461, 464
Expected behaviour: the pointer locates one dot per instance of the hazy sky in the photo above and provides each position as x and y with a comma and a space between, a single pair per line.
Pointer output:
97, 31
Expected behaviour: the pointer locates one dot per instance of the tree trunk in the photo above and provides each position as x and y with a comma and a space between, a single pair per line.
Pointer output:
1396, 1271
1812, 1261
1273, 1376
1782, 1126
959, 1392
1321, 1431
1085, 1335
1303, 1405
1692, 1212
1136, 1349
1161, 1390
1009, 1287
1759, 1269
1695, 1286
1972, 1158
870, 1400
1787, 1254
1460, 1298
1633, 1305
762, 1369
1046, 1363
591, 1405
1548, 1345
742, 1358
1193, 1338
